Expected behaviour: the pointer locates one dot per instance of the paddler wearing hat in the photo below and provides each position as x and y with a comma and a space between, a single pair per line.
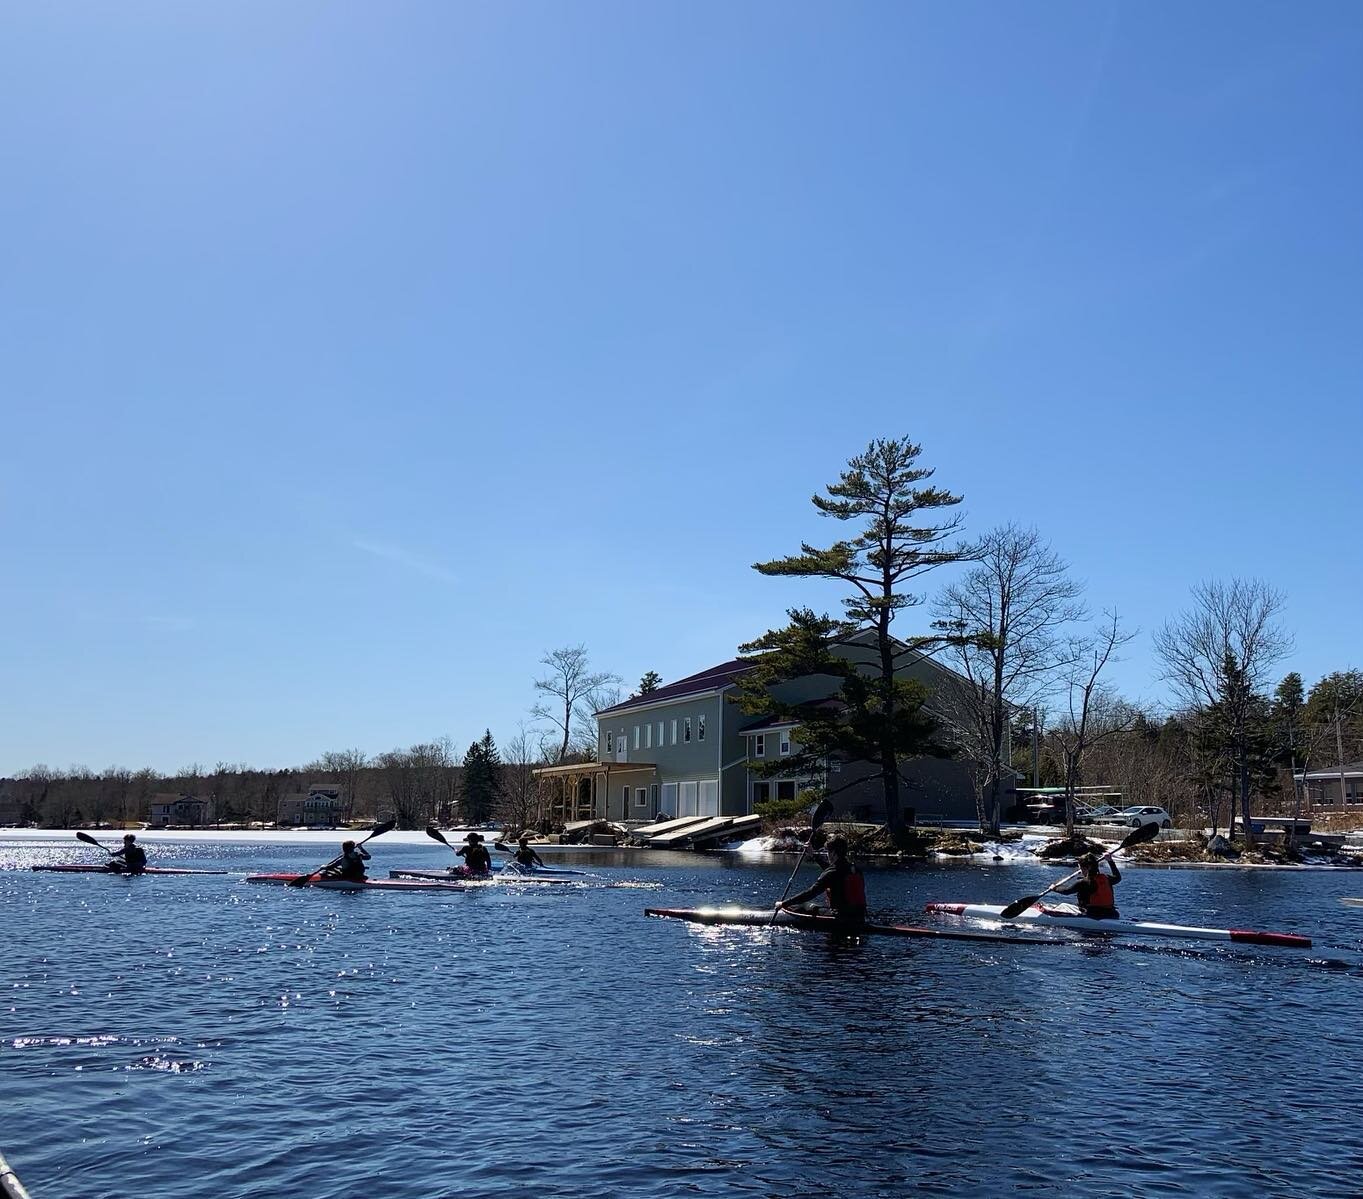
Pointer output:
477, 860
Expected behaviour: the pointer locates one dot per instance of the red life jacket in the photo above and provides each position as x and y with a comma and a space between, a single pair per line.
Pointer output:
848, 892
1101, 894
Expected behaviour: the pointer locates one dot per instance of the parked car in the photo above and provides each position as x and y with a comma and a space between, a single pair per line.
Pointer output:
1106, 814
1138, 816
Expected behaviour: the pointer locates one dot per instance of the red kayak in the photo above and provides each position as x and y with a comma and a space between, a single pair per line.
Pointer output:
87, 868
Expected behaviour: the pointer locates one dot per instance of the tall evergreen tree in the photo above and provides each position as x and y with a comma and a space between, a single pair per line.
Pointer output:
481, 785
903, 532
650, 683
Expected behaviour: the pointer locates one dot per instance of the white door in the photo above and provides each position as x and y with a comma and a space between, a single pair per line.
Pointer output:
709, 798
686, 799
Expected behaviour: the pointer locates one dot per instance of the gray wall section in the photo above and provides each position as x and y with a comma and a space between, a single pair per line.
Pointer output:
693, 761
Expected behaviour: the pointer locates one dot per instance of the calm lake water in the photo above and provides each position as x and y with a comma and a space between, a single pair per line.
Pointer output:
180, 1036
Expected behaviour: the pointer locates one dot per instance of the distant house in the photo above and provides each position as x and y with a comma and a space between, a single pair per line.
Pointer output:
323, 806
1324, 787
186, 810
686, 750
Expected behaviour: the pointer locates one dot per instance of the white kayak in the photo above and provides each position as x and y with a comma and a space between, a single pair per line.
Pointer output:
485, 880
1066, 915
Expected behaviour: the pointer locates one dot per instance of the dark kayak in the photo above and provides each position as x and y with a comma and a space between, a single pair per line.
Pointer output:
759, 918
86, 868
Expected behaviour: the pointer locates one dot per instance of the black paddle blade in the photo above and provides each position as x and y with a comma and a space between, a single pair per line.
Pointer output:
822, 811
1018, 906
386, 827
89, 840
1139, 836
435, 834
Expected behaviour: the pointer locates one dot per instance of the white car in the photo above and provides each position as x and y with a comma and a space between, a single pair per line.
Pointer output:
1136, 817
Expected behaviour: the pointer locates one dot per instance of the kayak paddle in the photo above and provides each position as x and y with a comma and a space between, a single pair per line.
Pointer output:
89, 840
818, 814
1137, 836
379, 829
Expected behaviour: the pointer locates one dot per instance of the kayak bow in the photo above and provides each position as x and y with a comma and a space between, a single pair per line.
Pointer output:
350, 884
87, 868
760, 918
1068, 916
486, 880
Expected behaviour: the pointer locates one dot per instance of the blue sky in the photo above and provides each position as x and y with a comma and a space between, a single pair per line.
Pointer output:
354, 355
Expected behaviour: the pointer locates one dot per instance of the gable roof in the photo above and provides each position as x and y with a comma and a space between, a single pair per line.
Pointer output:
715, 679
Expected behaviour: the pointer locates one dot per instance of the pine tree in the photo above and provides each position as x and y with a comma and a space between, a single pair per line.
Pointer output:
481, 786
650, 683
902, 535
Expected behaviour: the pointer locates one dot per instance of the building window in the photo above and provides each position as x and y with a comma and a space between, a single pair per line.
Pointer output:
785, 742
610, 742
624, 799
636, 736
660, 732
648, 735
640, 797
653, 790
785, 789
686, 730
761, 792
674, 730
700, 727
759, 746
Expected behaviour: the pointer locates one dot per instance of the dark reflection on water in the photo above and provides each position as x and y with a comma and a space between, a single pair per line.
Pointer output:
177, 1037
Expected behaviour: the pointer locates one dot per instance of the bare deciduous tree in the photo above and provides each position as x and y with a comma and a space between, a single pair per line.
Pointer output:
1005, 616
1218, 656
1090, 712
572, 693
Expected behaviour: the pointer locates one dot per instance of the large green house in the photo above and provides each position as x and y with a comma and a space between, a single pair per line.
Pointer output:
686, 749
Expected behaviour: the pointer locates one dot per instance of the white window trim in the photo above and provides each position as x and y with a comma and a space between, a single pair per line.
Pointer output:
785, 742
674, 730
636, 736
648, 735
661, 741
759, 745
686, 731
700, 727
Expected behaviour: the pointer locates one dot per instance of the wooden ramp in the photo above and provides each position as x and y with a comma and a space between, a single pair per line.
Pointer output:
704, 827
735, 829
664, 828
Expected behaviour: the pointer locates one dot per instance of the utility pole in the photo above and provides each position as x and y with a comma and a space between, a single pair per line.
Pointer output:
1339, 749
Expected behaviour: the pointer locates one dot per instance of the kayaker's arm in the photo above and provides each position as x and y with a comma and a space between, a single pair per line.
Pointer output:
1112, 868
821, 885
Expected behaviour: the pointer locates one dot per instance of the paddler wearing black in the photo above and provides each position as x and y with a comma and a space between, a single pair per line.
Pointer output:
525, 855
1094, 888
350, 866
131, 859
842, 882
477, 860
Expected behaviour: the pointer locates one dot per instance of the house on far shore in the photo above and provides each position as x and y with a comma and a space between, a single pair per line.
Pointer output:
190, 811
685, 749
1325, 786
323, 806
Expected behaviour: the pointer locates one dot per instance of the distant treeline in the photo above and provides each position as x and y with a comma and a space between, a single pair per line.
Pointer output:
426, 783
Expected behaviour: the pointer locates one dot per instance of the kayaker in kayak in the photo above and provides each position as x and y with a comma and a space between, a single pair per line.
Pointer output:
842, 882
351, 864
1094, 889
131, 859
477, 860
525, 855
